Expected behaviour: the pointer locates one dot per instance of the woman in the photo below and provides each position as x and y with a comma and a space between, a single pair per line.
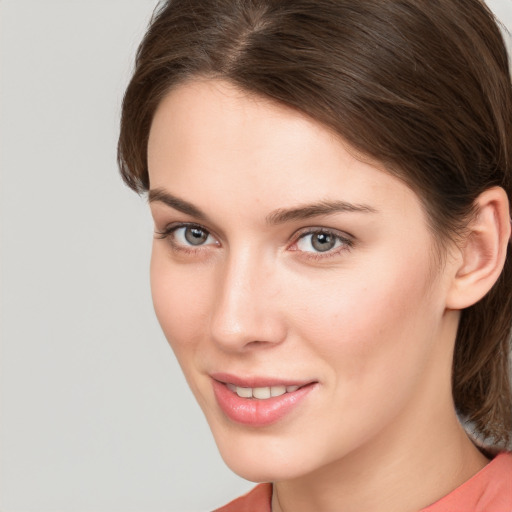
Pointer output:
330, 185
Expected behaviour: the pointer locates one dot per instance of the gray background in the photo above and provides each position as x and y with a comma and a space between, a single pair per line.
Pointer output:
95, 415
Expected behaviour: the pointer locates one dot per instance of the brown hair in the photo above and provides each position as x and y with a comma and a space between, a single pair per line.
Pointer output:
422, 86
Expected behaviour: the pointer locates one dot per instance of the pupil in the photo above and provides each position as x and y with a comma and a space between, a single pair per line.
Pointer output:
323, 242
195, 236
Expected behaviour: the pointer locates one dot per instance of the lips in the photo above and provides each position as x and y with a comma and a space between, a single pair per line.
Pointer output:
258, 402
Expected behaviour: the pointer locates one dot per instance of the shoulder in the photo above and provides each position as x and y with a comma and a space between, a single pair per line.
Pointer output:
257, 500
490, 490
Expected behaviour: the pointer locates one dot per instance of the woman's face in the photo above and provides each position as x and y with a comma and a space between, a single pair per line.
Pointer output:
283, 261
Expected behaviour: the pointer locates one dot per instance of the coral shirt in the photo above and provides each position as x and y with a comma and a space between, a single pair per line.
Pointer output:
490, 490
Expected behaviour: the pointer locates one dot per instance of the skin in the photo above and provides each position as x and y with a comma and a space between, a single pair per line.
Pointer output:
372, 321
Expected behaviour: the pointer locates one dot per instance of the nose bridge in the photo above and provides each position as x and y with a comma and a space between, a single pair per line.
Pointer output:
245, 311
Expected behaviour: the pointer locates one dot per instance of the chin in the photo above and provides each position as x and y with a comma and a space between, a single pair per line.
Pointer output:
266, 457
258, 468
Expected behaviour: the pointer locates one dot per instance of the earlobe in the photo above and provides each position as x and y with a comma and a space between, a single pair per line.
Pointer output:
483, 251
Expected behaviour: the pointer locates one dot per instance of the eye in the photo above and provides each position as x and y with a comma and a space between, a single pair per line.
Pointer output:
192, 235
321, 241
183, 236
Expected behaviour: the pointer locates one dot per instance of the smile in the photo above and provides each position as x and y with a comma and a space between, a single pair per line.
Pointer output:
261, 393
262, 404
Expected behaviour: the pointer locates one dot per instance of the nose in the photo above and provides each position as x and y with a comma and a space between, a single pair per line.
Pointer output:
247, 312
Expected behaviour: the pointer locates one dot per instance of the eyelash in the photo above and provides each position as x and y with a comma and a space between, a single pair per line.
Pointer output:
169, 233
347, 242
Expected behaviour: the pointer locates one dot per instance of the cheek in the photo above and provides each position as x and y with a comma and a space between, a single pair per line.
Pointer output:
180, 298
370, 334
369, 322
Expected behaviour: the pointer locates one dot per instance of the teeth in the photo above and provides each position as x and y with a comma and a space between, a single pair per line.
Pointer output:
277, 390
245, 392
261, 393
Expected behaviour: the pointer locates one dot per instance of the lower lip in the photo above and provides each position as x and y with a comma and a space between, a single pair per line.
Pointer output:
256, 412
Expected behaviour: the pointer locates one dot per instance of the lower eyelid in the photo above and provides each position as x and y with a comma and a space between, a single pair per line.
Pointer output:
337, 251
345, 240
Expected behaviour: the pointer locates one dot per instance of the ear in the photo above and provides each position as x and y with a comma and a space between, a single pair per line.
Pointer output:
483, 251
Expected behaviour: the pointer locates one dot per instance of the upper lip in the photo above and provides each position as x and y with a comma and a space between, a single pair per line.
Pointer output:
258, 381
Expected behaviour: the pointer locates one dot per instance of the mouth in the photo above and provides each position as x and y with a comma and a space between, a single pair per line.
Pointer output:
262, 393
259, 402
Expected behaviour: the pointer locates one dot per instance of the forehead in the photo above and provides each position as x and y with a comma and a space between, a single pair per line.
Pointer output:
215, 116
213, 140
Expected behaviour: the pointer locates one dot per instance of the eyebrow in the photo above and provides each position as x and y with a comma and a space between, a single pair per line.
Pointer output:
161, 196
307, 211
279, 216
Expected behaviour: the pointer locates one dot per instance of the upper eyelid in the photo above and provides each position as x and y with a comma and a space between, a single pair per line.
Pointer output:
173, 226
160, 212
319, 229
